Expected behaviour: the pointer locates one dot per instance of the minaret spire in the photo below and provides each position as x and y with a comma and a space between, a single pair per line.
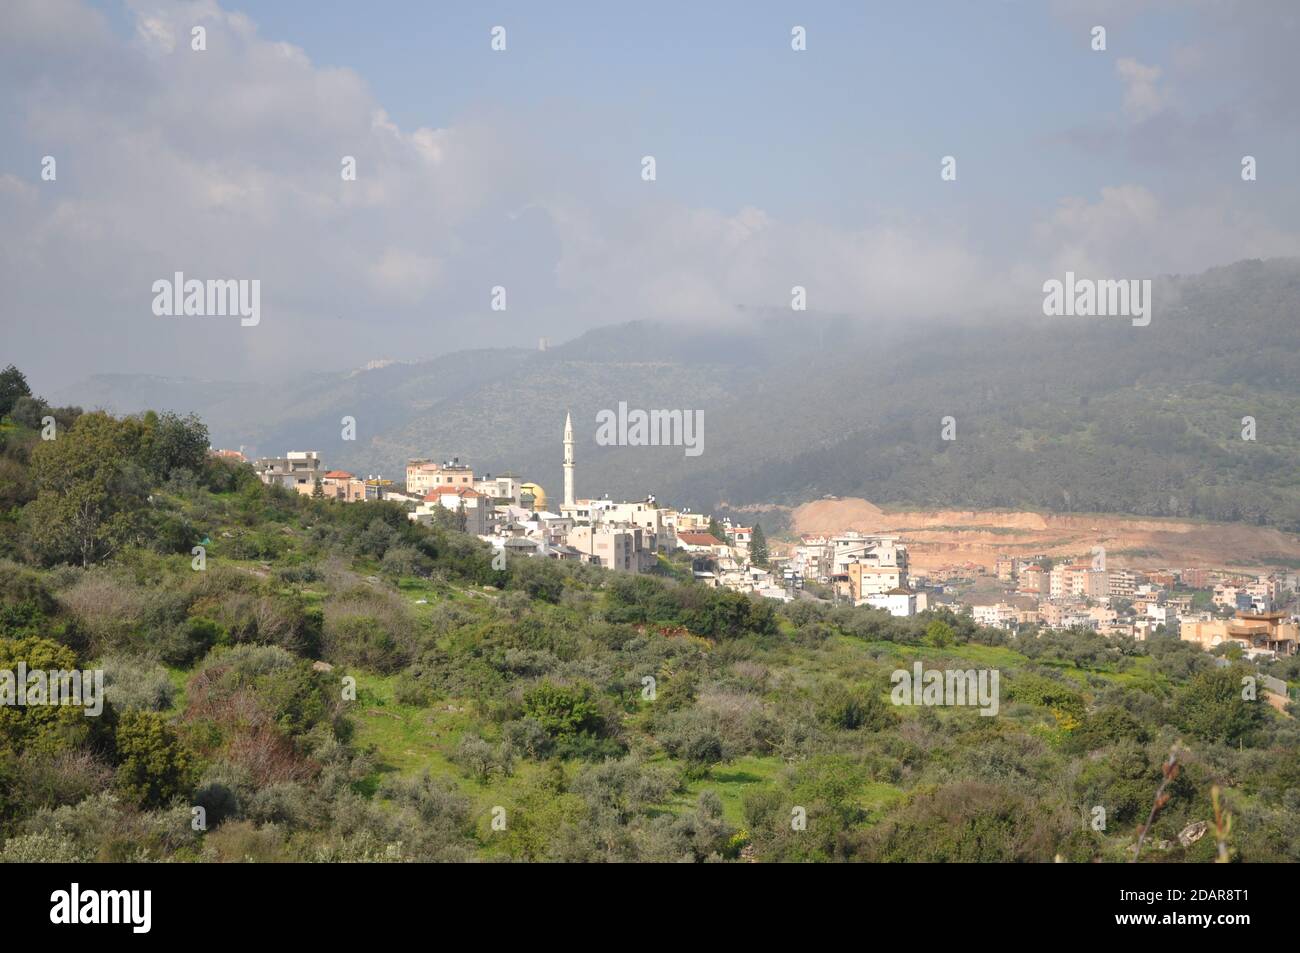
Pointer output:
568, 459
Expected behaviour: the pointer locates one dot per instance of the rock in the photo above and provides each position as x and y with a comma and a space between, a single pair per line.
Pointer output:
1193, 832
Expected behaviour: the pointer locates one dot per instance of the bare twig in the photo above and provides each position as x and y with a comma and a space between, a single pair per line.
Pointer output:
1170, 770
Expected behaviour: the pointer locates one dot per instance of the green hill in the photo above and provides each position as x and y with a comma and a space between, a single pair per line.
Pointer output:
332, 682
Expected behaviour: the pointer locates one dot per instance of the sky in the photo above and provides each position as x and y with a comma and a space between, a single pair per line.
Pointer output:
522, 168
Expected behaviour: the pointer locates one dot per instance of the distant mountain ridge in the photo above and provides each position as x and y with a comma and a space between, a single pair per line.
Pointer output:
1059, 414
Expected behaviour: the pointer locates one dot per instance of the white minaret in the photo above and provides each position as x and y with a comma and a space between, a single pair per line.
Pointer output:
568, 460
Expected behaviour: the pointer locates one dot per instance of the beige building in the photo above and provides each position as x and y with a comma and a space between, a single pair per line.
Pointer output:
1032, 580
868, 580
425, 476
1121, 583
341, 485
1262, 632
1079, 581
684, 521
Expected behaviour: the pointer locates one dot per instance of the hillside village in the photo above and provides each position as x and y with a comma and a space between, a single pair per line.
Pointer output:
1256, 614
340, 668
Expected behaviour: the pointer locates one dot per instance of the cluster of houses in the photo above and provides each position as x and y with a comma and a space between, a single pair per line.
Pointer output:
1198, 605
860, 569
516, 517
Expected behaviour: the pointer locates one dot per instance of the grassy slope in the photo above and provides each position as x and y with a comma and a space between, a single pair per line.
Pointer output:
411, 740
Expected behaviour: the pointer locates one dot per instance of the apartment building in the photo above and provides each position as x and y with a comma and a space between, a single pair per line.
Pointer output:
424, 476
812, 557
505, 486
866, 580
297, 470
1032, 580
1122, 583
660, 534
621, 548
1077, 581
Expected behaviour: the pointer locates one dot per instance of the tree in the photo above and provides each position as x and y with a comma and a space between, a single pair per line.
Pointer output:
563, 711
172, 442
1212, 707
716, 530
939, 634
89, 491
318, 490
853, 708
154, 766
28, 411
758, 547
37, 726
13, 384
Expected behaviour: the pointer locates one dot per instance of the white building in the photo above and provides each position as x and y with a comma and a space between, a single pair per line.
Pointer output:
997, 616
477, 509
505, 486
899, 602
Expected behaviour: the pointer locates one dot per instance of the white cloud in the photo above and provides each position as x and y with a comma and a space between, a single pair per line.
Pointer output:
1130, 232
226, 163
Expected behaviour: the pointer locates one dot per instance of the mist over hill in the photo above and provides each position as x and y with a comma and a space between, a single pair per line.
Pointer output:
1060, 414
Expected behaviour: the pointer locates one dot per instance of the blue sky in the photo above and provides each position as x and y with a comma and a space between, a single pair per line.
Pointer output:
851, 127
521, 168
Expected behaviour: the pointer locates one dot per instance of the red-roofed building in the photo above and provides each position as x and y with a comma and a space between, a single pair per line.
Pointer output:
698, 542
461, 492
341, 485
478, 510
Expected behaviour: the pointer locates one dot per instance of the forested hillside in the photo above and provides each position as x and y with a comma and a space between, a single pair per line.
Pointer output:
332, 682
1059, 414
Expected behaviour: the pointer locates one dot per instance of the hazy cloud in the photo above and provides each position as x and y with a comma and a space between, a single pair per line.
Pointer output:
226, 163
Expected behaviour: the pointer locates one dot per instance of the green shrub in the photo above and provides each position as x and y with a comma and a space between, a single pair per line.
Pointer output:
153, 765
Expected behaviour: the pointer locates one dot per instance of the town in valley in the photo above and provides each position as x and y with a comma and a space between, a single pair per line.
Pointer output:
1224, 611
